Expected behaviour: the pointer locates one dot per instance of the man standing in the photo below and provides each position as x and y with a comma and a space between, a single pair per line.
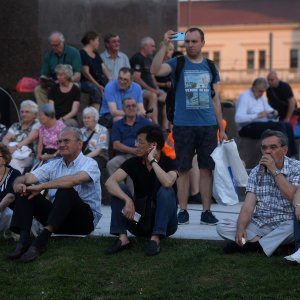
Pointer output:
60, 53
153, 175
124, 134
114, 59
281, 97
73, 184
115, 91
141, 63
197, 117
266, 217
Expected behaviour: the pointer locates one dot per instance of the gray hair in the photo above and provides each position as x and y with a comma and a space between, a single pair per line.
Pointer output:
66, 69
48, 110
32, 104
260, 81
57, 33
280, 135
146, 40
76, 131
91, 111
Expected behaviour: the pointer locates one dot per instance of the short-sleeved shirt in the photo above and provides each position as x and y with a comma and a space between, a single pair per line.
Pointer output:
113, 93
125, 133
279, 97
193, 101
145, 182
115, 64
50, 135
69, 56
20, 134
142, 64
271, 207
94, 64
63, 102
99, 139
6, 187
89, 192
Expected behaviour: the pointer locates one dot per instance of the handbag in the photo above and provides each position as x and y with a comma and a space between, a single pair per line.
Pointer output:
22, 153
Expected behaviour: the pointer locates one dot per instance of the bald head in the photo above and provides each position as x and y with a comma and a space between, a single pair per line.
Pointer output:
273, 79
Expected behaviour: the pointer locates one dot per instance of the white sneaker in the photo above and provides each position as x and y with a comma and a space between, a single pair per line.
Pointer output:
293, 258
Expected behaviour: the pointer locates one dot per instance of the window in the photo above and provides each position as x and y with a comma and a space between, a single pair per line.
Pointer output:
205, 54
250, 60
216, 58
293, 58
262, 59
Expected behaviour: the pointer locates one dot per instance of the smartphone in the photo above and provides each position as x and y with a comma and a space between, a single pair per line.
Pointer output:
179, 36
136, 216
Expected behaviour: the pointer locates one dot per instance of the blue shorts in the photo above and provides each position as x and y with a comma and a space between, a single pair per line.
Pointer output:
189, 140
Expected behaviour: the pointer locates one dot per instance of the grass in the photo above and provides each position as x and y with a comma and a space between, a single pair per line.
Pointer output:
74, 268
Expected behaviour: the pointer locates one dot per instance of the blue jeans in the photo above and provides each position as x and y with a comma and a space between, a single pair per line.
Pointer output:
165, 221
297, 233
91, 89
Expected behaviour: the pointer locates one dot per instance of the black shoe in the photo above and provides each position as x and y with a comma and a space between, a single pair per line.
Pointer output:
18, 252
117, 247
153, 248
32, 254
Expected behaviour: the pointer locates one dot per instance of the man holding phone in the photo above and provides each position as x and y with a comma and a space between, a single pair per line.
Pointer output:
153, 175
197, 117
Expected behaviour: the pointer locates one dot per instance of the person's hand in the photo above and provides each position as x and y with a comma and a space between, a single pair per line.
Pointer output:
262, 114
134, 151
168, 36
34, 190
240, 237
129, 209
45, 157
20, 188
268, 161
223, 136
152, 154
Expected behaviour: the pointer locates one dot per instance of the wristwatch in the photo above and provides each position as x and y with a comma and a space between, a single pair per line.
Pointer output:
153, 160
277, 172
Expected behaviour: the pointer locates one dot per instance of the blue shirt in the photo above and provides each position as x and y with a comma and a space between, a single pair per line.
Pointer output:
112, 93
89, 192
193, 102
125, 133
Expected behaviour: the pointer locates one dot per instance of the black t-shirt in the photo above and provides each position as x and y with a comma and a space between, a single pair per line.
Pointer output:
6, 187
94, 64
142, 64
145, 182
63, 101
278, 98
163, 79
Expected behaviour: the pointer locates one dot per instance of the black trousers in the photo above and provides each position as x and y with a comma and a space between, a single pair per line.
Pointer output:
68, 214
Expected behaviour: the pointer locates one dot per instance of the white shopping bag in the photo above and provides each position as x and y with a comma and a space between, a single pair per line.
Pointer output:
229, 173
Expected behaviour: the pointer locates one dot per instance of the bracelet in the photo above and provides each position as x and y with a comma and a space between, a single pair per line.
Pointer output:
153, 160
277, 172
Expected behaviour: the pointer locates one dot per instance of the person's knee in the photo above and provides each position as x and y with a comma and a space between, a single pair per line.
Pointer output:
65, 194
166, 195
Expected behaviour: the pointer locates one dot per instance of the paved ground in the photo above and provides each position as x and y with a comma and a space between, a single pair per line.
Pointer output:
193, 230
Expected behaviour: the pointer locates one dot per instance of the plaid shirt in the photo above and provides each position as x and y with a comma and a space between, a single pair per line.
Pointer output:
271, 207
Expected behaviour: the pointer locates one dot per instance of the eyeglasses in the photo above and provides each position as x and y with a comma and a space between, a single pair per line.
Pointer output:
130, 106
65, 141
55, 45
123, 79
272, 147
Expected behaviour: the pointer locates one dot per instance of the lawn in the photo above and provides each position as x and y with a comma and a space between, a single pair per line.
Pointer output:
75, 268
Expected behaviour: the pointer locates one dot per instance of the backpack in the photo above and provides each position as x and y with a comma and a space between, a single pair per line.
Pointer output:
170, 99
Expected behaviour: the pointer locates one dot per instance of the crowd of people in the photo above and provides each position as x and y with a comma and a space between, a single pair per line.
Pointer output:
123, 132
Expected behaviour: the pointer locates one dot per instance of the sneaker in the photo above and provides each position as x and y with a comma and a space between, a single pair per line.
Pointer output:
183, 217
293, 258
208, 218
153, 248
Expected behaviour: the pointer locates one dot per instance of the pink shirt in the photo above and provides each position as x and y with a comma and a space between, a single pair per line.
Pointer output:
50, 135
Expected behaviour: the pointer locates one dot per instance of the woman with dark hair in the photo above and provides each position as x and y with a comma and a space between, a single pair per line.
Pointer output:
93, 69
48, 133
7, 196
65, 96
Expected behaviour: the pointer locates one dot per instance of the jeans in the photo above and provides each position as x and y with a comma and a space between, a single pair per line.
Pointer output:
165, 221
91, 89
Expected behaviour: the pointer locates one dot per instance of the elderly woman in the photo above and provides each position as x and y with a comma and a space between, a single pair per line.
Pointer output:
24, 133
92, 79
7, 196
48, 133
95, 137
65, 96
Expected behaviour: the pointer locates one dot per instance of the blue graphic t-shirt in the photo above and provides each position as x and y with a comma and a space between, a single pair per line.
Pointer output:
193, 104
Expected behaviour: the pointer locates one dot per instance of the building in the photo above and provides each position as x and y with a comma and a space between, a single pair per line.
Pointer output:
247, 38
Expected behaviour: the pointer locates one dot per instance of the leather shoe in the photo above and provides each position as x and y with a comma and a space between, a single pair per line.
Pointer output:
153, 248
117, 247
31, 254
18, 252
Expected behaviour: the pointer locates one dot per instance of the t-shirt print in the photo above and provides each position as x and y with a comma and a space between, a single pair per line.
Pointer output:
196, 84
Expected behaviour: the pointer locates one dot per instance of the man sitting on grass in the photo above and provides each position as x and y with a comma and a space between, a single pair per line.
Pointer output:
73, 184
266, 217
153, 175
